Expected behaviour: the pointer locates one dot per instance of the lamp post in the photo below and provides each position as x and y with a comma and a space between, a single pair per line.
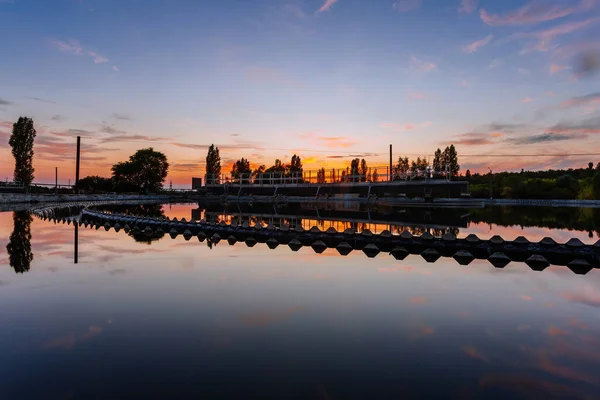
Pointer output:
491, 181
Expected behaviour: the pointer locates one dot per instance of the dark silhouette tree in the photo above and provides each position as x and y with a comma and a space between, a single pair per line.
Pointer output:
213, 165
590, 166
354, 170
402, 167
363, 169
375, 176
468, 174
420, 165
596, 185
145, 171
19, 245
95, 184
438, 161
296, 164
241, 170
21, 141
321, 175
450, 158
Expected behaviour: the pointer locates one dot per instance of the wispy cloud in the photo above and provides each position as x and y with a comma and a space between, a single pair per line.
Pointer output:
115, 68
327, 6
555, 68
535, 12
544, 38
468, 6
473, 47
405, 127
523, 71
527, 100
74, 47
42, 100
418, 96
407, 5
476, 139
111, 130
98, 59
587, 126
270, 75
120, 116
418, 65
57, 117
335, 142
588, 296
133, 138
588, 99
222, 147
495, 63
547, 138
5, 102
505, 127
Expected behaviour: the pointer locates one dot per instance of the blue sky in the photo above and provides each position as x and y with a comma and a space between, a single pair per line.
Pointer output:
325, 79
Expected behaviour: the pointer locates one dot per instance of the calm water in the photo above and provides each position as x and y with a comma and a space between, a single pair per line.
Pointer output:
178, 319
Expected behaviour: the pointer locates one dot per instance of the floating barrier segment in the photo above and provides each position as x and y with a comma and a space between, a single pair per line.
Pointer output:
579, 257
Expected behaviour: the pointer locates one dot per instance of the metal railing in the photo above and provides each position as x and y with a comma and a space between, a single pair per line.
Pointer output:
322, 177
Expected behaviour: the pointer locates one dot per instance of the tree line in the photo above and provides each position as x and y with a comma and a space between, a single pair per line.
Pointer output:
570, 184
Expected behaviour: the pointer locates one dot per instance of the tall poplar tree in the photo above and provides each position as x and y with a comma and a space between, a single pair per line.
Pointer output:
21, 141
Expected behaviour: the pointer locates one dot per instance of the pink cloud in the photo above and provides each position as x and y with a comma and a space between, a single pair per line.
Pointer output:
534, 13
327, 6
419, 300
405, 127
476, 139
334, 142
418, 96
588, 296
554, 331
468, 6
555, 68
74, 47
473, 47
419, 65
545, 37
407, 5
474, 353
527, 100
587, 100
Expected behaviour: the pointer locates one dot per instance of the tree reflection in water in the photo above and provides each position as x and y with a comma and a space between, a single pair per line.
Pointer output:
19, 246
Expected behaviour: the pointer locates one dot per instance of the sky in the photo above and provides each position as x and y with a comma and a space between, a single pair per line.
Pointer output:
512, 84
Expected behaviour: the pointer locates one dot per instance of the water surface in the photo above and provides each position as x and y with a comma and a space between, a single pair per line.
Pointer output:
170, 318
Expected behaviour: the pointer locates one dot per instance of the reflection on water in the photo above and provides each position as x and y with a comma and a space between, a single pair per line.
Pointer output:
176, 319
19, 246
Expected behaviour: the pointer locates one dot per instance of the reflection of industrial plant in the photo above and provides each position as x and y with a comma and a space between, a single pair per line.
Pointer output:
339, 215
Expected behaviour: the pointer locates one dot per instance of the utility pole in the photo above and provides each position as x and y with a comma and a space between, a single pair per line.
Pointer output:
491, 181
77, 165
390, 176
55, 180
